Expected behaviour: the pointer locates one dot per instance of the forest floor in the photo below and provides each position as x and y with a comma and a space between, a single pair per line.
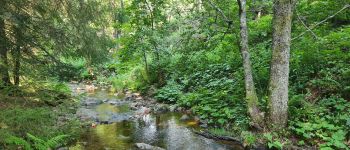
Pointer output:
45, 116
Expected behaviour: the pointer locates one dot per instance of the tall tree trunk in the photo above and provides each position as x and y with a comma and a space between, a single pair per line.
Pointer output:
3, 52
251, 96
16, 71
279, 69
17, 56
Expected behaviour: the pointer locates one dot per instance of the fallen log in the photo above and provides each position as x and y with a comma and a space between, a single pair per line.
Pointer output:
217, 137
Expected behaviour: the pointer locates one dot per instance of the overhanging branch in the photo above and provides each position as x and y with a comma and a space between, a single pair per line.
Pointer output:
319, 23
225, 18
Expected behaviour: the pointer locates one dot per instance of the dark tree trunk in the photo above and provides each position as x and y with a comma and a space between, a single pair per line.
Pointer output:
3, 52
17, 57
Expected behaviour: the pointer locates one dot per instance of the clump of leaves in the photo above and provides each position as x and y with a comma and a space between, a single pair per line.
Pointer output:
272, 141
326, 125
249, 138
169, 93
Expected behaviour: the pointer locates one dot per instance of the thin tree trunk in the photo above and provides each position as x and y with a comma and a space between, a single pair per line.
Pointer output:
4, 68
17, 67
120, 19
115, 19
279, 69
3, 53
251, 96
145, 59
17, 57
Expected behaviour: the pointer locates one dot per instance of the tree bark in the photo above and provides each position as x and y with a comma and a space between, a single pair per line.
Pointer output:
251, 96
3, 51
279, 69
17, 57
17, 67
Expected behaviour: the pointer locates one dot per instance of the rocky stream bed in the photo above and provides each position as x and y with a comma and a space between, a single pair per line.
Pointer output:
130, 121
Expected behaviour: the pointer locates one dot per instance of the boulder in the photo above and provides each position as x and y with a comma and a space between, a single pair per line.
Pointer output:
105, 101
180, 109
152, 91
139, 98
172, 108
144, 146
161, 108
196, 118
134, 106
91, 102
114, 102
203, 123
143, 111
63, 148
184, 117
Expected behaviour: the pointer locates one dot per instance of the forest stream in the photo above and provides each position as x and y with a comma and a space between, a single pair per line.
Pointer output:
116, 126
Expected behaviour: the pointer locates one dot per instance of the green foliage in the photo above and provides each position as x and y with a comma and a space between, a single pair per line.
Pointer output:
273, 142
261, 29
37, 143
135, 79
222, 132
324, 124
18, 141
193, 60
60, 88
211, 93
169, 93
37, 121
51, 143
249, 138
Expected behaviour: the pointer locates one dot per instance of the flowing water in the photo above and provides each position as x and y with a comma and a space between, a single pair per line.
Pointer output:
122, 131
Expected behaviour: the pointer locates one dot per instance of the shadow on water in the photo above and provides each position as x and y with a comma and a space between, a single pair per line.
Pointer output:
163, 130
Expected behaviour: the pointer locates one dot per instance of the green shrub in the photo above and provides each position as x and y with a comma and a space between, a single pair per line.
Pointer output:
324, 124
170, 93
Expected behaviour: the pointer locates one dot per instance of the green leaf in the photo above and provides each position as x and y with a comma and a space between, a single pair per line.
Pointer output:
222, 121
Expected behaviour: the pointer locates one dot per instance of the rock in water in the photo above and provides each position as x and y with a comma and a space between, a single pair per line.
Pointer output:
91, 102
184, 117
172, 108
144, 146
161, 108
63, 148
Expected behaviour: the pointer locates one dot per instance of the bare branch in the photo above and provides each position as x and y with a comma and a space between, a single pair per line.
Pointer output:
329, 17
228, 21
315, 36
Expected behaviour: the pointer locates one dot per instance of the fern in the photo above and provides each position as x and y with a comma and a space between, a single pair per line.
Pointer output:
18, 141
37, 143
57, 141
44, 145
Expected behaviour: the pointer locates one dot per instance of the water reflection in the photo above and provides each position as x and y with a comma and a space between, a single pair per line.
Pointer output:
163, 130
